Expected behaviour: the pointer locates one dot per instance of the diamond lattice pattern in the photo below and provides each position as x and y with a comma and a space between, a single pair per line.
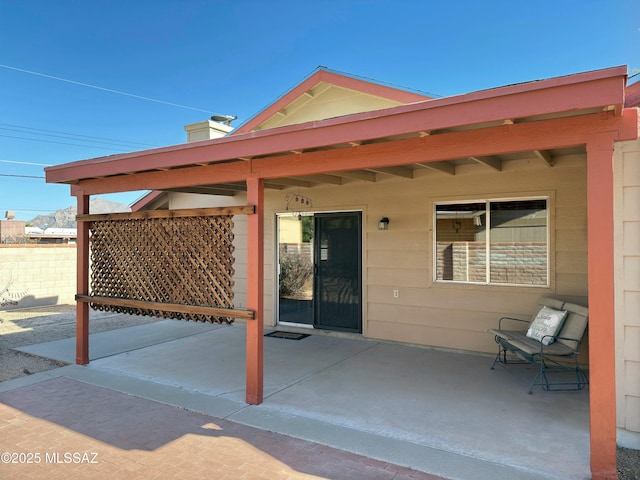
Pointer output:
185, 261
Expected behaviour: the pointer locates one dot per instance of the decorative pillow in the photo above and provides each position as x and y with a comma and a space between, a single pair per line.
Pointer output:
548, 321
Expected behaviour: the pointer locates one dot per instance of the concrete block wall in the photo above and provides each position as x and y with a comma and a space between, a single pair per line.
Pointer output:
37, 275
522, 263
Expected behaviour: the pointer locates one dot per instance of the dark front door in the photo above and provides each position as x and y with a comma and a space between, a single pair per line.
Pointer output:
338, 271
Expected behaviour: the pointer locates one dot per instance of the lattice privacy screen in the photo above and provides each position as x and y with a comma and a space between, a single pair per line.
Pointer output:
182, 261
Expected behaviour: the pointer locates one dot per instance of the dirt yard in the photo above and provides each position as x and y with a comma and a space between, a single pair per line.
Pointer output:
19, 328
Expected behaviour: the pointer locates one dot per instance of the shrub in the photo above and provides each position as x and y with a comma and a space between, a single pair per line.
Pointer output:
294, 272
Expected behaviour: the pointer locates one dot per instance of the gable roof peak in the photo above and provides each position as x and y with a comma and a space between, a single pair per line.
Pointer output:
381, 96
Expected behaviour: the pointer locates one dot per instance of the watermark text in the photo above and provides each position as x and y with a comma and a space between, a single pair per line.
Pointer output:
49, 457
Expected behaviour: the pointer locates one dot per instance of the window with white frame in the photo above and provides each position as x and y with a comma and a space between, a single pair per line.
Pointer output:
497, 242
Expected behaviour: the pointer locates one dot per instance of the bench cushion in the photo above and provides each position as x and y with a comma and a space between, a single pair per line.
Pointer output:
546, 325
574, 325
532, 347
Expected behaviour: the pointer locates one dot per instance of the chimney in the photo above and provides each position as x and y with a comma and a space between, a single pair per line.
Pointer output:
217, 127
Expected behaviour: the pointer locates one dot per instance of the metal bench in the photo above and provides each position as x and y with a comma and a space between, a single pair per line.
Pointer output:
558, 357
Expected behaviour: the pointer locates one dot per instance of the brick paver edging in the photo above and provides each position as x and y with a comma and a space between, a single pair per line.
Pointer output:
67, 429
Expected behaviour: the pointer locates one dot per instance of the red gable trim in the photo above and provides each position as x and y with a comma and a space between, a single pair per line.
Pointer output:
350, 83
146, 200
632, 95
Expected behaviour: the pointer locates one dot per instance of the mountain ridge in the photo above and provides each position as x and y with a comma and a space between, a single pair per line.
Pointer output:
66, 217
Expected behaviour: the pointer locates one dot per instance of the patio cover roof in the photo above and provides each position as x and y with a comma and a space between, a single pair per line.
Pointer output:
243, 153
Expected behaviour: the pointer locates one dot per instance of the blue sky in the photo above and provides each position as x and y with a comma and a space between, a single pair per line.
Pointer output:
236, 57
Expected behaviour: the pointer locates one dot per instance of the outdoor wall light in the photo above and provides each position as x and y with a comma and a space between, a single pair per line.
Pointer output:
383, 223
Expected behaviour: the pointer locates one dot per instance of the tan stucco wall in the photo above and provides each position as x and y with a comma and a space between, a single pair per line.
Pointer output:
443, 315
38, 274
627, 277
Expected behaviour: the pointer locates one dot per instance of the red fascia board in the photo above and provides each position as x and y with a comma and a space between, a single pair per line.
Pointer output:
564, 94
350, 83
566, 80
632, 95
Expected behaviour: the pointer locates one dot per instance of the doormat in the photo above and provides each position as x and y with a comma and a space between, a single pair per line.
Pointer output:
287, 335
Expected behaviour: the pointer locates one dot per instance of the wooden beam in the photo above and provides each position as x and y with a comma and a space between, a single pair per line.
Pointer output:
255, 293
490, 161
396, 171
182, 177
544, 155
235, 187
184, 212
82, 283
291, 108
320, 88
601, 279
321, 178
357, 175
291, 182
444, 167
167, 307
214, 189
203, 191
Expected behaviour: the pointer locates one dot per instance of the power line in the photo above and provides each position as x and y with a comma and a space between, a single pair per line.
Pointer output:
110, 90
26, 163
74, 135
61, 143
63, 136
28, 210
19, 176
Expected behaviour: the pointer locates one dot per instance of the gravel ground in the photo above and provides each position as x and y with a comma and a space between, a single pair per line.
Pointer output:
19, 328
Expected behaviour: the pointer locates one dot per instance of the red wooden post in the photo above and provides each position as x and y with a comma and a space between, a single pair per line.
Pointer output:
82, 286
255, 292
602, 373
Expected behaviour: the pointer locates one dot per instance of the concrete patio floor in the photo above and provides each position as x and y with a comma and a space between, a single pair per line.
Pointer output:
439, 412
